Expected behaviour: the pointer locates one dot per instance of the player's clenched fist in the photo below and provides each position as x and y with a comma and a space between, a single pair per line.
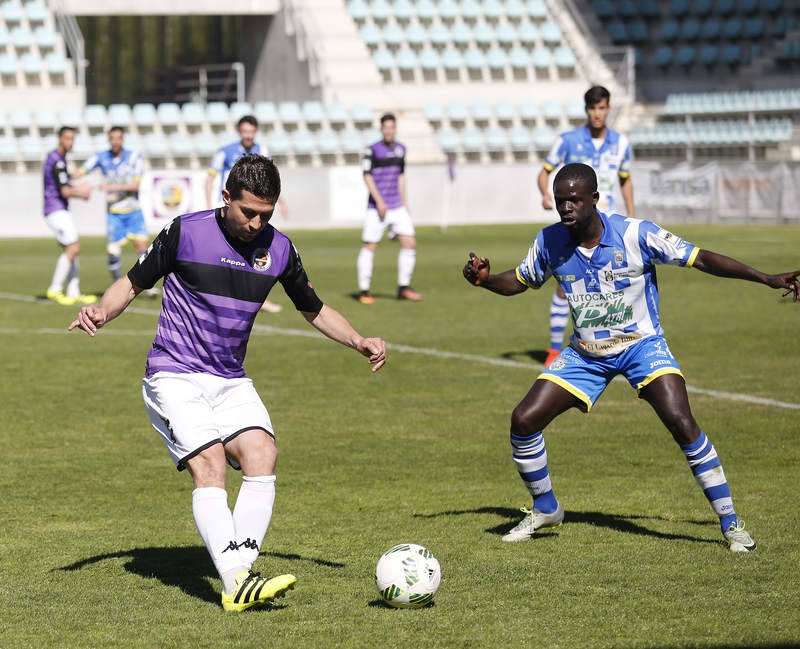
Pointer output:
90, 319
476, 270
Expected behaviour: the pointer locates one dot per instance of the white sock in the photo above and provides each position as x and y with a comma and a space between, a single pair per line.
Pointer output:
252, 514
406, 259
364, 265
215, 524
63, 266
73, 279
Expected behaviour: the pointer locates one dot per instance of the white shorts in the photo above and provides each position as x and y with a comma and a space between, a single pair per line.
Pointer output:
62, 225
192, 412
397, 219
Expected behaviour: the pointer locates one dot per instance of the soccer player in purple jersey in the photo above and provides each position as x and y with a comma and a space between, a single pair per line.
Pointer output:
57, 192
219, 265
606, 264
384, 174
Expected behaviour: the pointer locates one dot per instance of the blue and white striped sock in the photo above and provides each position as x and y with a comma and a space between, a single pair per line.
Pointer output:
559, 316
707, 469
530, 457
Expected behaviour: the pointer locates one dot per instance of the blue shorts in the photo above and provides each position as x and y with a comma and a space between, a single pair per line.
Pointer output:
121, 227
586, 376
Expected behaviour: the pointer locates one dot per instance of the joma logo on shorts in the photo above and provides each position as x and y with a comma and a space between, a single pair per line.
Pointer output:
232, 262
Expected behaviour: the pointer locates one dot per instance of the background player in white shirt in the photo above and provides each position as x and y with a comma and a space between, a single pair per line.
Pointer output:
609, 154
609, 263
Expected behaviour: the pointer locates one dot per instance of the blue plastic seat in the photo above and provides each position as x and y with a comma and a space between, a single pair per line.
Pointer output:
528, 34
217, 113
30, 148
358, 9
649, 8
504, 111
679, 7
45, 37
448, 10
711, 29
731, 53
732, 28
193, 114
55, 63
433, 111
470, 11
754, 28
265, 112
461, 34
496, 58
637, 31
702, 7
380, 10
617, 32
474, 59
181, 145
313, 112
452, 59
520, 138
564, 57
205, 144
662, 57
481, 112
406, 60
350, 140
668, 31
155, 146
21, 38
426, 10
403, 11
506, 34
551, 110
429, 60
82, 149
303, 142
541, 58
543, 137
439, 34
626, 8
484, 34
4, 36
239, 109
603, 8
383, 59
31, 64
496, 139
457, 111
20, 118
278, 142
416, 35
169, 114
471, 139
70, 116
575, 109
393, 35
12, 13
95, 116
725, 7
685, 55
708, 54
371, 34
519, 58
361, 114
45, 118
447, 139
690, 29
36, 11
551, 33
537, 9
515, 10
119, 115
328, 142
289, 112
749, 6
8, 65
337, 113
8, 148
528, 111
492, 10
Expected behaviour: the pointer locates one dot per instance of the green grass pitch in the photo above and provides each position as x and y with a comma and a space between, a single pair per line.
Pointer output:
98, 548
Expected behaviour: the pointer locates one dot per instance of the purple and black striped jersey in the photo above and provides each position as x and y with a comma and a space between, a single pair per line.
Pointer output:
55, 177
213, 289
386, 162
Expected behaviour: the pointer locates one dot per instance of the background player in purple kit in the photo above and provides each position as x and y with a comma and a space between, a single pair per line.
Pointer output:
57, 192
384, 174
219, 266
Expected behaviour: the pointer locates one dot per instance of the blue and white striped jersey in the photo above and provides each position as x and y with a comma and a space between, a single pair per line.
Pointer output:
122, 169
227, 156
611, 161
613, 294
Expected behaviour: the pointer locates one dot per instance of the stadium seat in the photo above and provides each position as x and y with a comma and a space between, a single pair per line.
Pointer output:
8, 148
731, 53
361, 114
383, 59
21, 38
36, 11
265, 112
690, 29
337, 114
416, 35
433, 112
551, 110
12, 13
750, 6
537, 9
328, 142
603, 8
528, 111
448, 10
217, 113
506, 34
31, 64
685, 55
701, 7
515, 11
528, 34
457, 112
520, 138
55, 63
447, 139
439, 34
313, 113
496, 58
575, 109
519, 58
119, 115
239, 109
452, 59
484, 34
638, 32
461, 34
504, 112
181, 145
30, 148
754, 28
472, 140
711, 29
94, 115
426, 10
496, 139
541, 58
732, 29
543, 138
380, 10
69, 116
406, 60
649, 9
725, 7
679, 7
193, 114
668, 31
551, 33
617, 32
358, 9
8, 65
564, 57
289, 112
82, 148
393, 35
351, 141
303, 142
492, 10
481, 112
205, 144
4, 36
403, 10
46, 119
708, 54
20, 118
169, 114
470, 11
429, 60
369, 136
155, 146
278, 142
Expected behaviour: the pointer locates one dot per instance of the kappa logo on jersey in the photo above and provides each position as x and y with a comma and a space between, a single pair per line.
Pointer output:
262, 260
232, 262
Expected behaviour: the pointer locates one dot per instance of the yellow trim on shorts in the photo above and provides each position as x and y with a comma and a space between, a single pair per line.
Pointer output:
624, 174
693, 256
568, 387
548, 167
138, 237
652, 377
522, 280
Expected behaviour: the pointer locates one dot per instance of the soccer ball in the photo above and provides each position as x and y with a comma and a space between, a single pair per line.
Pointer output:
407, 576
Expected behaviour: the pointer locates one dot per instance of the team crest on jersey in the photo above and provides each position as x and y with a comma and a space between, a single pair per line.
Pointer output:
557, 364
262, 260
619, 257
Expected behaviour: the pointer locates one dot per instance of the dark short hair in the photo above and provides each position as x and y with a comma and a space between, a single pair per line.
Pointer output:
580, 172
595, 95
247, 119
257, 174
386, 117
117, 128
64, 129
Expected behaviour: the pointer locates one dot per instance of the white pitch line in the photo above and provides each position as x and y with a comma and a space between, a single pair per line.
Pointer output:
407, 349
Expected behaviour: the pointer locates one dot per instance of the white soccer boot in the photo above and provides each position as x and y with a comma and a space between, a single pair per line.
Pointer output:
534, 520
738, 539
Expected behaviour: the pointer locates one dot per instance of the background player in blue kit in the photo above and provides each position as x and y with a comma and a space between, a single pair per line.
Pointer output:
609, 154
387, 206
222, 163
606, 266
122, 171
219, 265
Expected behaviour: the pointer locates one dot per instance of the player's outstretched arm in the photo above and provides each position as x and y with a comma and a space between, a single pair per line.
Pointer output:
476, 272
722, 266
336, 327
117, 296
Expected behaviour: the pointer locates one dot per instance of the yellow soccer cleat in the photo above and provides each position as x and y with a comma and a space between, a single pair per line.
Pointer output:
84, 299
59, 298
254, 589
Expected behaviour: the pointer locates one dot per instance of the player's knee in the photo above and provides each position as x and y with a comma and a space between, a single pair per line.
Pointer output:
683, 427
524, 421
208, 467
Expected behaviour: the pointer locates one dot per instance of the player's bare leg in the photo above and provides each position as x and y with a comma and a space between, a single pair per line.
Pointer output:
406, 260
668, 397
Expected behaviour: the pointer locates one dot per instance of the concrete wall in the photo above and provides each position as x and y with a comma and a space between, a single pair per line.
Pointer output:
173, 8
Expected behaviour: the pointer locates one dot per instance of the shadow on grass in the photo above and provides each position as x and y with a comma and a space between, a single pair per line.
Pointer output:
379, 603
618, 523
538, 355
188, 568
